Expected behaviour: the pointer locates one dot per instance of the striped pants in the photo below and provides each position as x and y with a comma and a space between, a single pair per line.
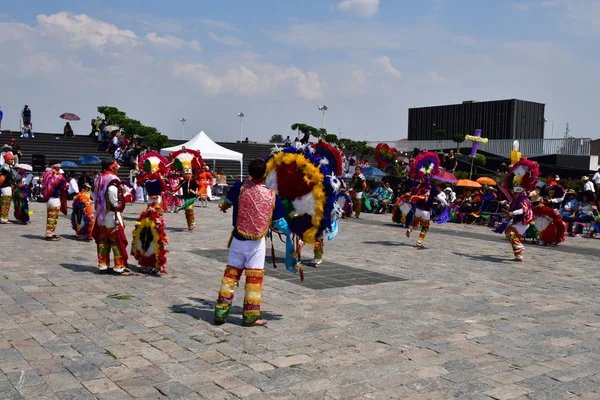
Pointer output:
190, 217
51, 220
5, 201
108, 239
252, 299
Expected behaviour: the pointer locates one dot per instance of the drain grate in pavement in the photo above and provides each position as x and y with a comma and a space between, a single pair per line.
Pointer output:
330, 275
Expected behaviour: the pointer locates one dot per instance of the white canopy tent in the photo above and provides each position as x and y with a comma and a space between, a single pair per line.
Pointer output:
209, 150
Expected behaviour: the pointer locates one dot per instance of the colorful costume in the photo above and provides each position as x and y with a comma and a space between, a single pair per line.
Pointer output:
21, 201
548, 227
358, 185
522, 176
109, 228
403, 211
186, 160
82, 216
155, 166
149, 246
309, 194
345, 203
7, 182
254, 208
54, 191
424, 166
204, 181
173, 201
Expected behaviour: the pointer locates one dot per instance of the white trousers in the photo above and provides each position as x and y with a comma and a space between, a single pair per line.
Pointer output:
248, 254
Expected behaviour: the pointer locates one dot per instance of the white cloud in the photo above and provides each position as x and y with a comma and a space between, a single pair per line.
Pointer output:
385, 63
226, 40
436, 78
348, 35
219, 24
362, 8
251, 80
170, 41
82, 30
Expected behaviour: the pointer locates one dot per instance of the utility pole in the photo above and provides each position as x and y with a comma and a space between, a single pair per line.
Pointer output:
567, 131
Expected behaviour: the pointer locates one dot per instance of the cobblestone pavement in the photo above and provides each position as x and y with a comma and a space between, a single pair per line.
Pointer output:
454, 320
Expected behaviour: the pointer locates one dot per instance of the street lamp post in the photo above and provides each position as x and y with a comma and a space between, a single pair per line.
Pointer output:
182, 120
547, 120
241, 115
323, 108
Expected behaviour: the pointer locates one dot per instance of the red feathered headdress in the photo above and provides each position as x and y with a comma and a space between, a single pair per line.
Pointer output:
186, 159
153, 162
523, 175
425, 164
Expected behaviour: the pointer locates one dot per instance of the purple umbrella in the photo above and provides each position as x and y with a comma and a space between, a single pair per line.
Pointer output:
70, 117
445, 176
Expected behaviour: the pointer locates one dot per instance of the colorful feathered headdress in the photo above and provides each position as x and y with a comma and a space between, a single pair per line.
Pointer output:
329, 155
523, 175
153, 162
186, 160
425, 165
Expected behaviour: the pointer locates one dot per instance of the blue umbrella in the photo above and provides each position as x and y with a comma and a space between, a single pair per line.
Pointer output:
373, 173
88, 160
68, 164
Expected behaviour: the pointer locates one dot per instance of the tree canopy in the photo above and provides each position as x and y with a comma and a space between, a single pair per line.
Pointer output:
346, 144
276, 138
134, 128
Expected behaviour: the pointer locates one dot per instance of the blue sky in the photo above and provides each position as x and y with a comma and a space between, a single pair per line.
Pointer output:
276, 61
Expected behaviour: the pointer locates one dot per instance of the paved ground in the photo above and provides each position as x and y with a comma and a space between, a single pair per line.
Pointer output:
452, 320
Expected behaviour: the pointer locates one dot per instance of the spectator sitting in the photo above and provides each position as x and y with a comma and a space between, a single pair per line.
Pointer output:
487, 198
588, 185
287, 142
386, 197
450, 195
68, 131
585, 212
73, 186
27, 130
16, 149
570, 204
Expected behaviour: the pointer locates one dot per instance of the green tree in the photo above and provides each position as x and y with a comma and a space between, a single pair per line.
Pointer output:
330, 138
304, 129
276, 138
458, 139
441, 134
480, 160
134, 129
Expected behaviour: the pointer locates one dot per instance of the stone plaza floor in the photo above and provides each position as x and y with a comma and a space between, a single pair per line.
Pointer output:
380, 319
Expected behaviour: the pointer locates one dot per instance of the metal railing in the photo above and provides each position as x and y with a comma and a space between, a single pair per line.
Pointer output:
527, 147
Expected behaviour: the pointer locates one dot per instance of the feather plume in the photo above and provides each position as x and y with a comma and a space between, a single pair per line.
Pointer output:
186, 159
153, 162
425, 164
524, 173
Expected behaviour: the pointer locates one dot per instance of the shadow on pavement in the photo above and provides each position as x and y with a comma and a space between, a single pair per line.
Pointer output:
204, 310
80, 268
389, 243
483, 257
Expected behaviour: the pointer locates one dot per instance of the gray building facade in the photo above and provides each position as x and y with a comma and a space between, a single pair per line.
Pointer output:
499, 119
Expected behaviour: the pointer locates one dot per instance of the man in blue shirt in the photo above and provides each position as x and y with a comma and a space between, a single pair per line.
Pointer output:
255, 209
570, 204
